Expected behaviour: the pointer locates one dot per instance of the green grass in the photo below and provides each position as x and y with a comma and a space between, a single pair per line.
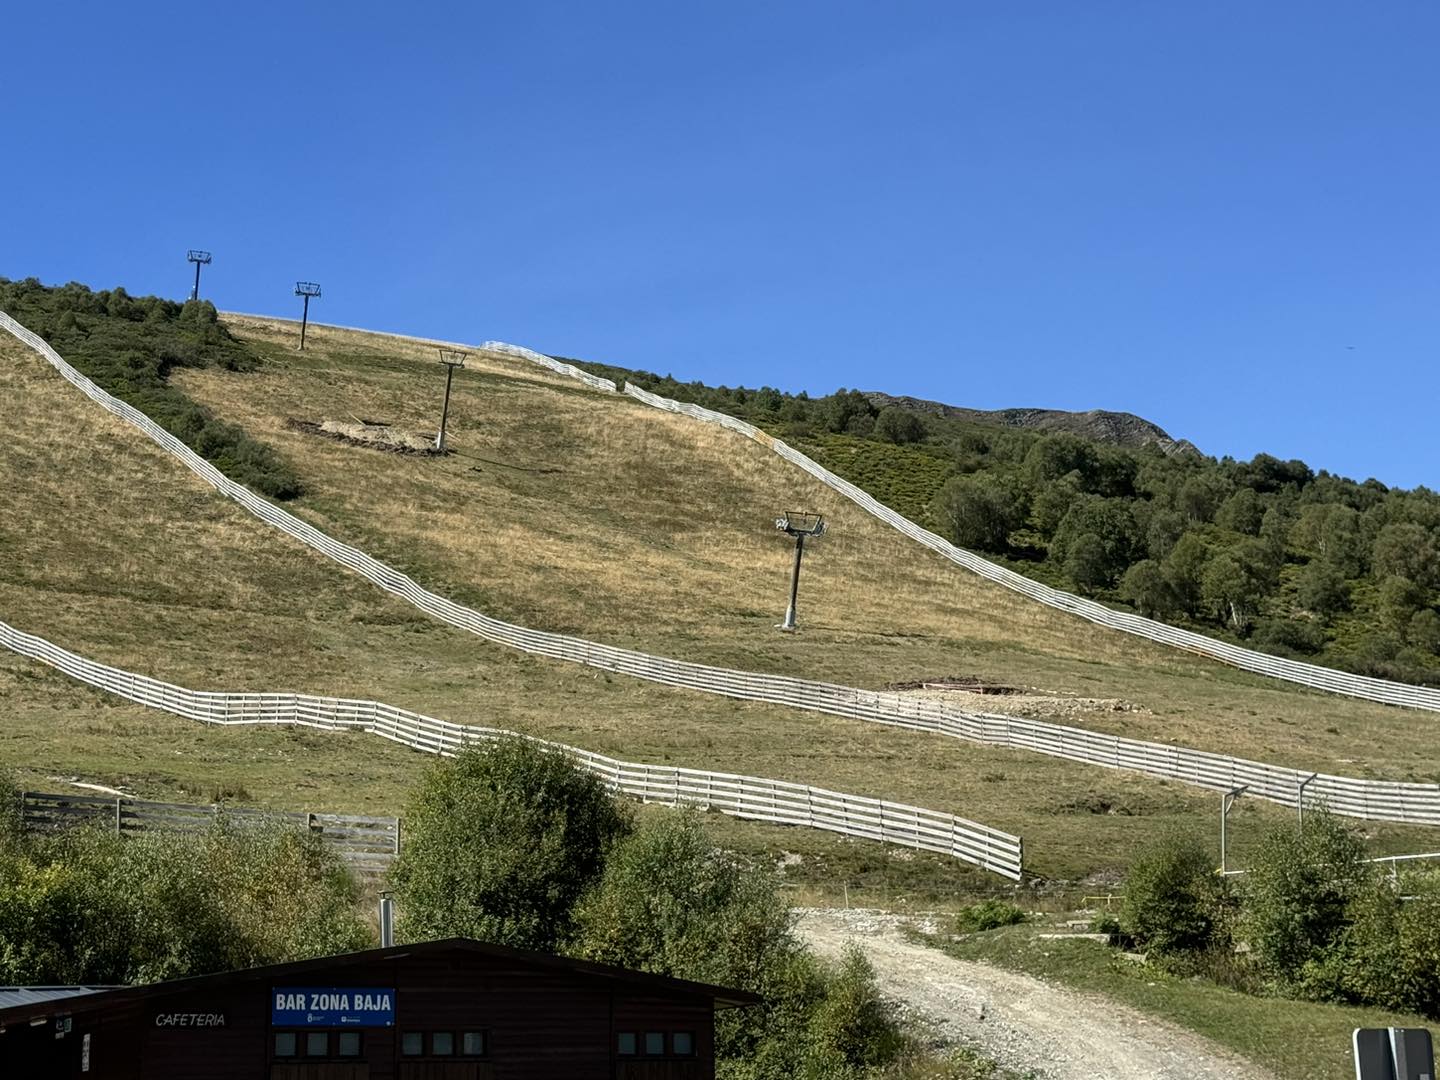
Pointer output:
1296, 1040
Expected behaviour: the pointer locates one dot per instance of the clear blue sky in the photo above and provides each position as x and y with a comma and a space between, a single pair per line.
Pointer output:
1219, 215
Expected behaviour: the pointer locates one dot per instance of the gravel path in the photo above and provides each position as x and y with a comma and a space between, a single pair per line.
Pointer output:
1021, 1022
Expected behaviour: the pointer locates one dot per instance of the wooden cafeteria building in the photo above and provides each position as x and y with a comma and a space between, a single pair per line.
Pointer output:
442, 1010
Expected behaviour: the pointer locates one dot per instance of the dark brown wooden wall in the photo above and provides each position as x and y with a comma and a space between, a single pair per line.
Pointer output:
541, 1024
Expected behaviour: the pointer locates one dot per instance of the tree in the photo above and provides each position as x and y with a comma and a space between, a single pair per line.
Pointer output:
1054, 456
501, 841
1400, 600
1114, 540
1241, 512
899, 425
1237, 579
1407, 551
1321, 590
1185, 570
844, 408
1342, 543
1088, 564
979, 511
1424, 631
1146, 586
1163, 532
1051, 505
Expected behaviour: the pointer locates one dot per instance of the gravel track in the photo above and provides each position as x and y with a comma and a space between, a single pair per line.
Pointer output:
1021, 1022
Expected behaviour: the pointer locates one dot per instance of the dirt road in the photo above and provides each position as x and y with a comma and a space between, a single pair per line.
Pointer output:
1021, 1022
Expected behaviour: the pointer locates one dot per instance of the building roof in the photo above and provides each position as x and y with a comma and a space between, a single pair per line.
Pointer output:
31, 995
40, 1005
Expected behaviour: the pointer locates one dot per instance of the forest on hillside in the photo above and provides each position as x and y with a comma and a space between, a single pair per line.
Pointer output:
1277, 555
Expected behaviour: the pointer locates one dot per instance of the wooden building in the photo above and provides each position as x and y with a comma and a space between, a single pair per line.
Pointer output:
443, 1010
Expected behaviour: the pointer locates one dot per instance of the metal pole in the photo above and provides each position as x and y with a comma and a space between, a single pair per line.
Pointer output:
387, 922
789, 623
445, 412
1300, 799
196, 294
1227, 800
304, 319
1224, 811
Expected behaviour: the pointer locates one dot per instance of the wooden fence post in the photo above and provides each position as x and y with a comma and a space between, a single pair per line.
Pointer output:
118, 813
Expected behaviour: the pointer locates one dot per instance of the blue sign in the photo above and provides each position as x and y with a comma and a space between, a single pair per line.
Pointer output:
332, 1006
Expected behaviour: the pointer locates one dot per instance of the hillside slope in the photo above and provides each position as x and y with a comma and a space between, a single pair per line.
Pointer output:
119, 554
660, 534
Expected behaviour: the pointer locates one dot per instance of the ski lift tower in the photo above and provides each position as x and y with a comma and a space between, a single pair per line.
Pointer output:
199, 258
451, 358
307, 289
799, 524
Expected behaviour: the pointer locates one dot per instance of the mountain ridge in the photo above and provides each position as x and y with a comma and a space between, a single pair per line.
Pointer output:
1100, 425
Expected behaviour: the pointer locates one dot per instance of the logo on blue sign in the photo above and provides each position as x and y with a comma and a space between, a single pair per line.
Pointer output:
332, 1006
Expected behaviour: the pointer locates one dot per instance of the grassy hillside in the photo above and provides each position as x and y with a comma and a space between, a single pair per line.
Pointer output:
573, 511
1274, 554
565, 510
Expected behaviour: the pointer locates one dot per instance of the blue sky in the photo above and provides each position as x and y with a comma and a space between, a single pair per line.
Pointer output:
1221, 216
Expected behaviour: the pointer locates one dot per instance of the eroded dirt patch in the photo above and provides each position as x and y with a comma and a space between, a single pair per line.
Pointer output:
372, 434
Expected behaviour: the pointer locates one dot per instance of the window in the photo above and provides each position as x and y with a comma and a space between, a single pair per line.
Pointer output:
284, 1044
317, 1044
412, 1044
655, 1043
442, 1044
625, 1044
682, 1043
473, 1045
349, 1044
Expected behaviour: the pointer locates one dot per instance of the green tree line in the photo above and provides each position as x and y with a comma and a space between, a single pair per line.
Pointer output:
1287, 559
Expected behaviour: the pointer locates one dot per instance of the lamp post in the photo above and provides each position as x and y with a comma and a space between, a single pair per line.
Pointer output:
798, 524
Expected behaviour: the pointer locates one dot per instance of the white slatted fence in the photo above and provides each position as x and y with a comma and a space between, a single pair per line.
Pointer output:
751, 797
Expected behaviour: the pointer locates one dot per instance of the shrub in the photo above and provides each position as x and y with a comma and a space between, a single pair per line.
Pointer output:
1297, 896
1174, 901
9, 813
988, 915
502, 841
88, 905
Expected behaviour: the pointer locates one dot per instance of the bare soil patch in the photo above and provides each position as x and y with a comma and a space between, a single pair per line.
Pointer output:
372, 434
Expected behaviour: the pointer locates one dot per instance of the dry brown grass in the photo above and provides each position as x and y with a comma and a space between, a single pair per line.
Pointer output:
655, 531
109, 548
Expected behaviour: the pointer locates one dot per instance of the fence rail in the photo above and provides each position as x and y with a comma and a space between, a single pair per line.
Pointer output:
1312, 675
751, 797
1381, 800
367, 844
